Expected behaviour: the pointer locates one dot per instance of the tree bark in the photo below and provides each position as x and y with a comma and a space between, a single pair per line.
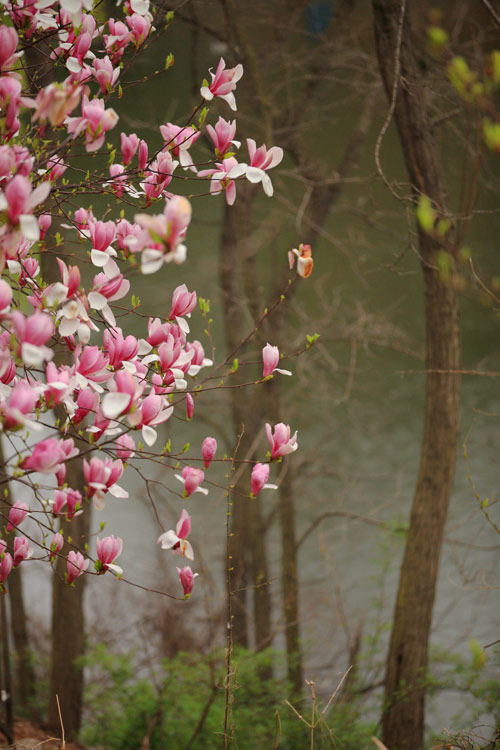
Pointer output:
23, 663
248, 551
68, 634
405, 681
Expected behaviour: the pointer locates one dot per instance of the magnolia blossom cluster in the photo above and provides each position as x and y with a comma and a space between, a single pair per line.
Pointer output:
114, 389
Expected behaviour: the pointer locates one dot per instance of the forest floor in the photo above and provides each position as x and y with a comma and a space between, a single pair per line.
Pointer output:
29, 736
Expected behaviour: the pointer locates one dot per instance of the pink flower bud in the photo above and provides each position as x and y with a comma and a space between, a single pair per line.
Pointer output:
6, 563
56, 545
186, 578
76, 565
280, 441
208, 449
21, 550
17, 515
183, 302
189, 406
125, 447
260, 475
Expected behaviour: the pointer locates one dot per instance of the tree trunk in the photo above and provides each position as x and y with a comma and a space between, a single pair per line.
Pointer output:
68, 633
405, 682
23, 665
248, 550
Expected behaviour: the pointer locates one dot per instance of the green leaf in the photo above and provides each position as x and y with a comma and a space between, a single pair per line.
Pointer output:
203, 116
311, 339
186, 447
425, 214
169, 61
235, 364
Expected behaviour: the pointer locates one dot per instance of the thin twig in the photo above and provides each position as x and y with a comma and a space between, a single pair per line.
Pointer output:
63, 741
397, 67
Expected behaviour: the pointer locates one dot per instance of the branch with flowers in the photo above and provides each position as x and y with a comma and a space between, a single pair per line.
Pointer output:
116, 385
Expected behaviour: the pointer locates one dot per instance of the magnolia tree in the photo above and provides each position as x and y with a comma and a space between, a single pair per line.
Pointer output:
105, 400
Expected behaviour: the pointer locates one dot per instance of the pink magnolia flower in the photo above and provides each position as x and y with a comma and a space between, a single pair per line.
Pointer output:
56, 546
280, 441
32, 333
208, 450
262, 159
60, 383
5, 297
125, 447
104, 73
223, 177
22, 550
129, 144
95, 122
305, 260
177, 540
56, 101
118, 348
117, 40
108, 550
189, 406
22, 401
223, 83
17, 514
191, 479
199, 360
87, 401
151, 413
270, 358
158, 175
178, 140
140, 26
101, 477
19, 199
92, 366
10, 100
162, 235
8, 46
6, 563
186, 578
71, 499
183, 302
76, 565
46, 457
118, 183
260, 475
143, 155
222, 136
44, 222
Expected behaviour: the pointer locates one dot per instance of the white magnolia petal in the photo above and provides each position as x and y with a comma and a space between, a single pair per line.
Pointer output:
203, 490
108, 315
32, 355
73, 65
99, 258
283, 372
117, 491
270, 487
183, 325
99, 500
97, 300
151, 261
144, 347
129, 366
56, 294
68, 326
29, 227
254, 174
114, 404
149, 435
168, 539
114, 569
